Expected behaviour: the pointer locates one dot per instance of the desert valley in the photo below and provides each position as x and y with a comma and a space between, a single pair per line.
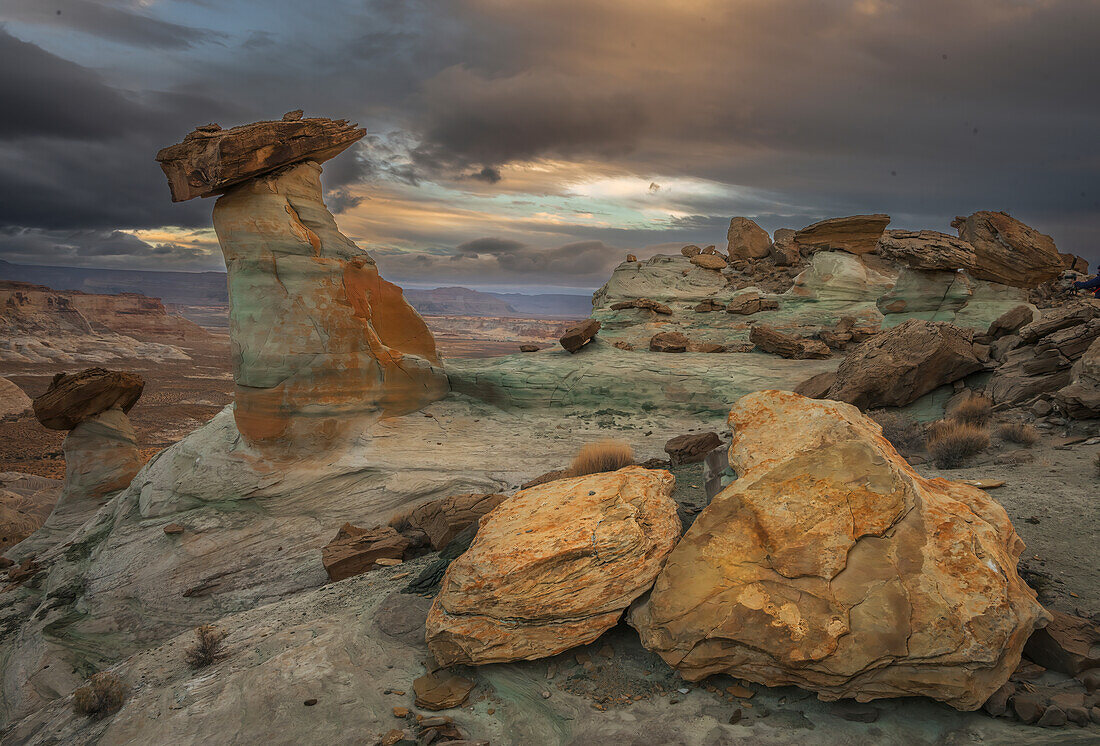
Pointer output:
831, 484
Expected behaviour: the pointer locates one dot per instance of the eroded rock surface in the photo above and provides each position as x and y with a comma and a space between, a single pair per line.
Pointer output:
14, 402
554, 567
857, 234
1008, 251
74, 398
830, 564
101, 457
443, 520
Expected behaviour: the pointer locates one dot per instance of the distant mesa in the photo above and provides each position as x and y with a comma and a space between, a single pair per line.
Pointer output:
210, 159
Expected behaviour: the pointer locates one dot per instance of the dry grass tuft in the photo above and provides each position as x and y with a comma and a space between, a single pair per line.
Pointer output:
1018, 432
606, 455
207, 646
102, 695
904, 433
975, 409
951, 442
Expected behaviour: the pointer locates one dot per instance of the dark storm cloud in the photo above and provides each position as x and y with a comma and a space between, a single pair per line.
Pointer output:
106, 19
490, 246
98, 248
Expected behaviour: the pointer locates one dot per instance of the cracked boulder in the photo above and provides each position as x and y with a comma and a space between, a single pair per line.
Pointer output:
1008, 251
831, 565
554, 567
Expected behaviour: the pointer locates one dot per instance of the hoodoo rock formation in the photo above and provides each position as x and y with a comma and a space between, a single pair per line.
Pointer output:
319, 338
831, 565
554, 566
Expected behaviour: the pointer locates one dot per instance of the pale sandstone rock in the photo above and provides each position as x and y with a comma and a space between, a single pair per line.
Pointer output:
554, 566
857, 234
210, 159
831, 565
897, 366
101, 457
1008, 251
319, 338
747, 240
14, 402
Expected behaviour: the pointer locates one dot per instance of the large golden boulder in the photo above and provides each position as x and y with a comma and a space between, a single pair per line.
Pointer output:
831, 565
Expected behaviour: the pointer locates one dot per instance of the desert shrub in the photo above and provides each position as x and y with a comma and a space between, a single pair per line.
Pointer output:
207, 646
1018, 432
951, 442
606, 455
102, 695
975, 409
903, 432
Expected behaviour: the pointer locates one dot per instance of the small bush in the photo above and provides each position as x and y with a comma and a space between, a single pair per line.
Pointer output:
951, 442
1018, 432
102, 695
207, 647
606, 455
902, 432
975, 409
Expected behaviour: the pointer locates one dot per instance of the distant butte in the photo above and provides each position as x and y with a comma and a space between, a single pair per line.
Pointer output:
210, 159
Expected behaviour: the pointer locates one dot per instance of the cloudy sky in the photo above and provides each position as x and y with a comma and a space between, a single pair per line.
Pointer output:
525, 143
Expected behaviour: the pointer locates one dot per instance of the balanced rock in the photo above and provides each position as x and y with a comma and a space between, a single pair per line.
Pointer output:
691, 448
442, 520
690, 251
747, 240
578, 336
709, 261
320, 340
1008, 251
831, 565
858, 234
101, 457
898, 366
669, 342
789, 346
14, 402
75, 397
209, 161
355, 550
554, 566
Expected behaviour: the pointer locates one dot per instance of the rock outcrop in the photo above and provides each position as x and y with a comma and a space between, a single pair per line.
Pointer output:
691, 448
14, 402
356, 550
1080, 399
787, 345
669, 342
899, 365
554, 567
210, 159
75, 397
857, 234
747, 240
442, 520
1008, 251
101, 457
928, 250
831, 565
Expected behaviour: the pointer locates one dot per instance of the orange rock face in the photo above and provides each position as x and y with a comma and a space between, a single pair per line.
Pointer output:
319, 338
831, 565
554, 566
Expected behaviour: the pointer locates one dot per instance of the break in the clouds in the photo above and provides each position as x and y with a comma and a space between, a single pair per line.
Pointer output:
547, 138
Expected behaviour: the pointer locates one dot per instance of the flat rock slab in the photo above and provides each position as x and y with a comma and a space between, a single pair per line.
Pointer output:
76, 397
211, 159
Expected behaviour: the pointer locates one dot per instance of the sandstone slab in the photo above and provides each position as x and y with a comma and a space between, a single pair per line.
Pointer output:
1080, 399
1070, 644
709, 261
554, 566
691, 448
857, 234
747, 240
578, 336
73, 398
356, 550
14, 402
1008, 251
211, 159
929, 250
787, 345
831, 565
444, 519
669, 342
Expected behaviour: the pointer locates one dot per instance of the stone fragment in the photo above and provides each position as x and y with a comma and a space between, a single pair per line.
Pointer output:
709, 261
211, 161
1070, 644
858, 234
897, 366
668, 342
997, 704
643, 303
1056, 319
354, 550
1028, 706
1010, 321
747, 240
441, 690
444, 519
776, 342
708, 306
14, 402
321, 342
173, 529
554, 566
73, 398
709, 250
690, 251
691, 448
817, 387
528, 348
1080, 399
750, 303
784, 251
622, 344
101, 457
1053, 717
1008, 251
631, 258
927, 250
831, 565
578, 336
